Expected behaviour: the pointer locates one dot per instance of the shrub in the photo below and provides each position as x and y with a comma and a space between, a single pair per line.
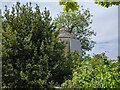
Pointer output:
94, 72
31, 52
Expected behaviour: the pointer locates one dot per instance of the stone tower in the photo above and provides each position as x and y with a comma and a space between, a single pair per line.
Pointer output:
72, 44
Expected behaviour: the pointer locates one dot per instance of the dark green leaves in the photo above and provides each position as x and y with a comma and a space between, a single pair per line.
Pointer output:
31, 50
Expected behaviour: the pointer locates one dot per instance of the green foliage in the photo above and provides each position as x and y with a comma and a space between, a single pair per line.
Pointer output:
78, 23
69, 5
72, 5
107, 3
95, 72
33, 57
31, 52
64, 71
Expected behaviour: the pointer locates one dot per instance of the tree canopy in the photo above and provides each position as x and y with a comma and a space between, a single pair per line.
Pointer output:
72, 5
32, 57
78, 23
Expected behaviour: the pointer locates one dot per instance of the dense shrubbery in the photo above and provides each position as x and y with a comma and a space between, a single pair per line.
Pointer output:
95, 72
33, 58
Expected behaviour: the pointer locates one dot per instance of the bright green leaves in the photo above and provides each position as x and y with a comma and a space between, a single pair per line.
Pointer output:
107, 3
69, 5
23, 75
94, 72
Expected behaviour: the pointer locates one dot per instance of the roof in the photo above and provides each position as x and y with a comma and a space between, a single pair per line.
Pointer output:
64, 33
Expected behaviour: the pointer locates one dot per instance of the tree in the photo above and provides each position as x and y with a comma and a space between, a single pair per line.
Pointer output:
78, 23
31, 53
72, 5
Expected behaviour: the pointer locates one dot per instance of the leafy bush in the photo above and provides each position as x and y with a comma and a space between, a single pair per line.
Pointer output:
95, 72
31, 53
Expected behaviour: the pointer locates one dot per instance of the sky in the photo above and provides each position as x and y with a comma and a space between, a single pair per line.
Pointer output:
105, 23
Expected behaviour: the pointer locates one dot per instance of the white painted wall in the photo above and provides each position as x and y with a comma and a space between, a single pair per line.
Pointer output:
75, 45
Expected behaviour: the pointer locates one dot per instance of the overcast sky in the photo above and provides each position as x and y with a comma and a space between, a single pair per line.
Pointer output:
105, 24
